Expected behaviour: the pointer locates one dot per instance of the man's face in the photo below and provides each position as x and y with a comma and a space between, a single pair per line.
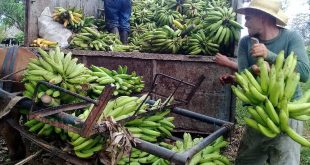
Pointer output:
254, 24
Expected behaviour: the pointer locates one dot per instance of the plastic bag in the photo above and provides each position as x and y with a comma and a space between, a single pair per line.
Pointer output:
51, 30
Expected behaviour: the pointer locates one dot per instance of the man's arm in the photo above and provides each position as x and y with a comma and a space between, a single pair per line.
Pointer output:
296, 45
225, 61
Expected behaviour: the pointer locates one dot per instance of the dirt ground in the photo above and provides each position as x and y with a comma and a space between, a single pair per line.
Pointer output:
47, 159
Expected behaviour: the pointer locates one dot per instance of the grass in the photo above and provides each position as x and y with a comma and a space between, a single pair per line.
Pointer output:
305, 152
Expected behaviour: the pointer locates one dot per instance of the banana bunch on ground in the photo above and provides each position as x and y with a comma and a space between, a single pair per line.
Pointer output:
92, 39
56, 68
198, 43
166, 17
72, 17
43, 43
270, 98
222, 25
125, 83
163, 40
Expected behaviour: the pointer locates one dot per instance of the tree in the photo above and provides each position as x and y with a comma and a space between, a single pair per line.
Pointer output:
301, 23
12, 13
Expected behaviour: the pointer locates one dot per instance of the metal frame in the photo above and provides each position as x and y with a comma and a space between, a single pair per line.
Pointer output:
89, 127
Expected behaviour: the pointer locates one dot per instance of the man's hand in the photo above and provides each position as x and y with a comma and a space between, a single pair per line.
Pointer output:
221, 59
259, 50
256, 70
227, 79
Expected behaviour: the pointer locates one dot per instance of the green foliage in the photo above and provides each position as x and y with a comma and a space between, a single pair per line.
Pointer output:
305, 152
12, 13
241, 112
2, 33
20, 37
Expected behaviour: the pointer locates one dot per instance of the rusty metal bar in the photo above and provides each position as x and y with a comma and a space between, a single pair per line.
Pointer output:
47, 147
178, 158
52, 110
202, 144
95, 113
57, 124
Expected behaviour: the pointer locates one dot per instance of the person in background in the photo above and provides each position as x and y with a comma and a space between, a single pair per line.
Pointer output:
265, 21
117, 17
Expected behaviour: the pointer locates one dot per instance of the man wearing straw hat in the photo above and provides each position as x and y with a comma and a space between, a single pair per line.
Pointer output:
265, 21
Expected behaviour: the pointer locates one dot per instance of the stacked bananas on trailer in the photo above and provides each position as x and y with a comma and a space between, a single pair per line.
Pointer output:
43, 43
72, 17
92, 39
209, 155
86, 147
125, 83
270, 97
222, 26
199, 43
165, 17
148, 128
56, 68
163, 40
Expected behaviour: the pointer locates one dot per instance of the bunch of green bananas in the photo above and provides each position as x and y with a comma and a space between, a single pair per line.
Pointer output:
144, 15
56, 68
140, 29
125, 83
216, 3
152, 127
198, 43
222, 25
138, 157
270, 98
86, 22
85, 147
193, 9
163, 40
124, 48
43, 129
209, 155
119, 108
92, 39
72, 17
165, 17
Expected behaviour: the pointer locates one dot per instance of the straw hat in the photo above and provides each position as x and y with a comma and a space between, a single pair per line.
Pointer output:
271, 7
